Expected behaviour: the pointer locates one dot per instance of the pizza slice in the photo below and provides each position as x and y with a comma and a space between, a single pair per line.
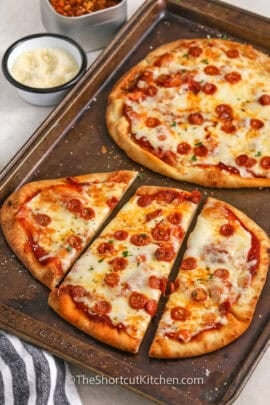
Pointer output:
221, 277
49, 223
113, 290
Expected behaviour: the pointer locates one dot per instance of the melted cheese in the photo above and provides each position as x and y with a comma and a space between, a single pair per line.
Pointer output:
89, 271
173, 105
53, 202
212, 251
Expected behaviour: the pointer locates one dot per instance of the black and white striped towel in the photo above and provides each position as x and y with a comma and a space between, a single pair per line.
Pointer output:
31, 376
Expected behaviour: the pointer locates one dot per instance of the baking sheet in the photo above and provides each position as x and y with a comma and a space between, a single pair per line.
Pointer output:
70, 142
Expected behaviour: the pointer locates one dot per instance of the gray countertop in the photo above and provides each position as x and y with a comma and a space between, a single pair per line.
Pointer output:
19, 120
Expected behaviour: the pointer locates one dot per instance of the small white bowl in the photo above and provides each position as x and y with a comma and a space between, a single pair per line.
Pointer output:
43, 96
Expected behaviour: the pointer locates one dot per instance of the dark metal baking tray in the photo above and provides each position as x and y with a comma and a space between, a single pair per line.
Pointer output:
69, 142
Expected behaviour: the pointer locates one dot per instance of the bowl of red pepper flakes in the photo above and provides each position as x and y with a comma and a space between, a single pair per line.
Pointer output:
92, 23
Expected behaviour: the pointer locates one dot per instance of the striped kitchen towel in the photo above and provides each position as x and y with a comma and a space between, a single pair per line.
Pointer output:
31, 376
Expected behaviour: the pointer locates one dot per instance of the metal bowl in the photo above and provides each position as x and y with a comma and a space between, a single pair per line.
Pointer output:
92, 31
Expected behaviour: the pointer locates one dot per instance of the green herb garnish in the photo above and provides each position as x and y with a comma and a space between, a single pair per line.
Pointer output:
199, 144
110, 241
69, 249
141, 175
173, 124
210, 276
126, 253
186, 55
258, 154
101, 260
194, 158
205, 61
91, 268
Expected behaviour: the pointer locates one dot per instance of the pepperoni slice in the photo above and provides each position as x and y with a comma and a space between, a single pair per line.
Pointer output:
154, 282
169, 157
153, 215
151, 91
74, 205
42, 219
228, 127
151, 307
211, 70
161, 232
180, 313
103, 307
112, 202
174, 285
226, 230
265, 99
195, 196
169, 80
195, 51
112, 279
244, 160
194, 86
183, 148
200, 151
189, 263
75, 242
137, 300
105, 248
232, 53
265, 162
178, 232
119, 263
209, 88
166, 196
256, 124
120, 235
152, 122
87, 213
224, 112
199, 294
77, 291
144, 200
165, 253
224, 274
140, 239
195, 119
233, 77
224, 307
175, 218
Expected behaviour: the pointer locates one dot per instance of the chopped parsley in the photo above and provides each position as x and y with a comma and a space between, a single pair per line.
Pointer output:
69, 248
110, 241
101, 260
210, 276
194, 158
173, 124
186, 55
200, 279
126, 253
91, 268
205, 61
259, 153
199, 144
